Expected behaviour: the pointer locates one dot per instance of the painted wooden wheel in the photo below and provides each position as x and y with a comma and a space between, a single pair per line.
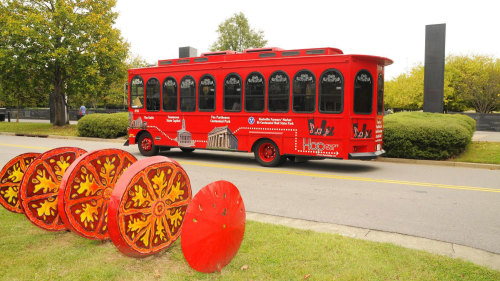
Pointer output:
85, 190
148, 205
214, 227
40, 186
10, 179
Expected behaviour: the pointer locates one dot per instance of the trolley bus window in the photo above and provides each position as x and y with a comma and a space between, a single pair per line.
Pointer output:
363, 92
380, 94
232, 93
206, 93
278, 92
137, 92
331, 92
153, 98
255, 89
304, 92
169, 94
187, 94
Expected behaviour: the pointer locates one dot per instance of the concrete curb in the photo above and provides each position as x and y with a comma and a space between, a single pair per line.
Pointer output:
452, 250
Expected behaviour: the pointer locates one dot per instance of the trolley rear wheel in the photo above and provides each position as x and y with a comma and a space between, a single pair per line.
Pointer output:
267, 153
187, 149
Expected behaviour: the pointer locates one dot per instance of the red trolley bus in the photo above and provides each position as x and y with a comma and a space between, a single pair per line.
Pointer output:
272, 102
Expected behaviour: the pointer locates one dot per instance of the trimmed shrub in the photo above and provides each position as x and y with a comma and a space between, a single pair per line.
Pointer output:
102, 125
422, 135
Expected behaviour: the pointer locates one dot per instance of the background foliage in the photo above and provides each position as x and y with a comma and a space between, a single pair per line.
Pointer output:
65, 47
235, 34
470, 82
103, 125
419, 135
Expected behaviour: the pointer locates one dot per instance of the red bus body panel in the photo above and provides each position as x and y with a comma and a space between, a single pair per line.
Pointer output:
342, 135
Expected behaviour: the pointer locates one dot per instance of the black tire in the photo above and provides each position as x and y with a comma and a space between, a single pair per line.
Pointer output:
146, 145
187, 149
268, 154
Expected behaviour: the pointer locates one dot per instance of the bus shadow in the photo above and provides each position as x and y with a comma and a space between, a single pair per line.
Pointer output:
327, 165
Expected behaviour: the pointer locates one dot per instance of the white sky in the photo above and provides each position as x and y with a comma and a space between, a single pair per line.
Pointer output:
394, 29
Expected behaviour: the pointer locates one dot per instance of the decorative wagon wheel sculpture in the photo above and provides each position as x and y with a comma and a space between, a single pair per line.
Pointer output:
10, 180
214, 227
85, 190
40, 185
148, 205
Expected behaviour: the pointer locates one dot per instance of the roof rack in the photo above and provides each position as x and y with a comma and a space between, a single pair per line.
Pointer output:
218, 53
258, 50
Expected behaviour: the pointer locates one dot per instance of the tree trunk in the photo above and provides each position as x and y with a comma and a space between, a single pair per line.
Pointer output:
59, 108
18, 111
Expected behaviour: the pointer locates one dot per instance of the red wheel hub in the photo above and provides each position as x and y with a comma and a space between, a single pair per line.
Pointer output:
86, 188
10, 180
214, 227
147, 144
40, 186
267, 152
148, 205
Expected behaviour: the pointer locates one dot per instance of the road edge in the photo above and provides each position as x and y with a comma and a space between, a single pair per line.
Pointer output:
456, 251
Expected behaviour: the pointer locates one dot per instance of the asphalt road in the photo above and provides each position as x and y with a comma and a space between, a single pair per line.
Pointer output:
451, 204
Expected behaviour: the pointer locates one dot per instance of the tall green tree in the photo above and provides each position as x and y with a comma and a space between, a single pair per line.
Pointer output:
68, 47
476, 80
235, 34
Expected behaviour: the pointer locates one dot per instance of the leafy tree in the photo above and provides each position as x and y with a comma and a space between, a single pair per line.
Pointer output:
235, 34
469, 82
68, 47
476, 80
406, 91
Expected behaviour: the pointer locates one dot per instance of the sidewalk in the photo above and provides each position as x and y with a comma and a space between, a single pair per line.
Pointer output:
486, 136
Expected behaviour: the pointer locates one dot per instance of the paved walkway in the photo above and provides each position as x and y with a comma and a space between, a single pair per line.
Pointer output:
486, 136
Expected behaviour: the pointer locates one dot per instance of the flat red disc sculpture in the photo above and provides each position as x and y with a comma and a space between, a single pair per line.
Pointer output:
148, 205
85, 190
214, 227
40, 185
10, 179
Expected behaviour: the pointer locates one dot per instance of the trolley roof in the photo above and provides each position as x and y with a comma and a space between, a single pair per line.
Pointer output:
264, 54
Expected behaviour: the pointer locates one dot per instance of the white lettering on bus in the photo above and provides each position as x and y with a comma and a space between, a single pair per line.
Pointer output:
318, 146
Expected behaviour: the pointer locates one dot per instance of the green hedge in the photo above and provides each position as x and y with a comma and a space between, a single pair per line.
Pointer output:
102, 125
419, 135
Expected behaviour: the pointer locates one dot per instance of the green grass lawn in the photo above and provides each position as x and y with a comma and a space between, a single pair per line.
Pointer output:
480, 152
270, 252
38, 129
